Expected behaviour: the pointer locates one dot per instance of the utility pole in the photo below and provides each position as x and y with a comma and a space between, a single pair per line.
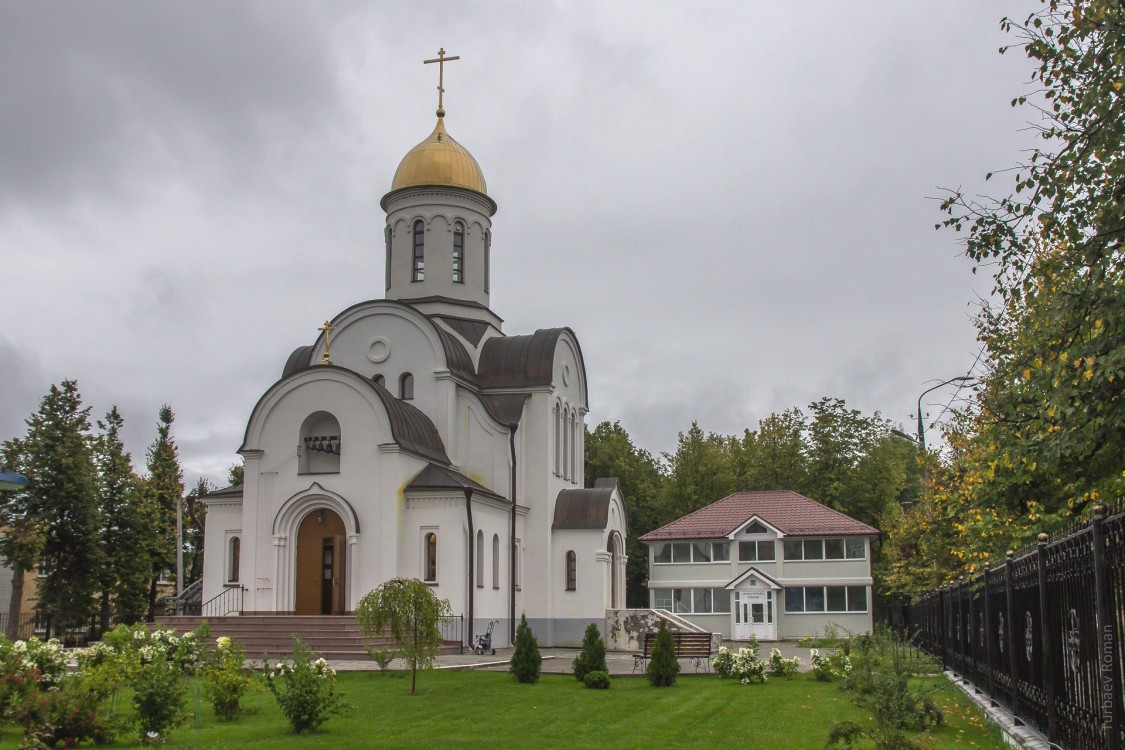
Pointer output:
921, 425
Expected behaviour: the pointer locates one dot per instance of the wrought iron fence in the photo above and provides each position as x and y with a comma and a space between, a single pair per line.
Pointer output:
1042, 633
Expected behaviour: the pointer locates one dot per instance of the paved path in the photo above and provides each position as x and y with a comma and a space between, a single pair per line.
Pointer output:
558, 660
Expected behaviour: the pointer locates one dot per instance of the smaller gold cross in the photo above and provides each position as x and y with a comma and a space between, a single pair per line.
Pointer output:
441, 60
326, 329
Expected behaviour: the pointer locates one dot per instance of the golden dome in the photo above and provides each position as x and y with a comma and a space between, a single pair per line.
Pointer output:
439, 160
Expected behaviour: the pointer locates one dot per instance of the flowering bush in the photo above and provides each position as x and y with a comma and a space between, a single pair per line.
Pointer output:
743, 665
830, 667
158, 696
43, 661
184, 653
224, 678
305, 690
68, 716
782, 667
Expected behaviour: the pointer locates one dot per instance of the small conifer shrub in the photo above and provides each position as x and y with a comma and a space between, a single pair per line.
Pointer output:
526, 660
597, 680
663, 667
592, 657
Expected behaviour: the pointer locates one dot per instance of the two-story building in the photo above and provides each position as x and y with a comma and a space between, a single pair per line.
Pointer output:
772, 563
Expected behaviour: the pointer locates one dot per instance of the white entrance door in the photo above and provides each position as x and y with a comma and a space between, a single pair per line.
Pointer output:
753, 615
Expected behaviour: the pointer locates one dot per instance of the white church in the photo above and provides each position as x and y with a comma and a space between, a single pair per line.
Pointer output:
414, 438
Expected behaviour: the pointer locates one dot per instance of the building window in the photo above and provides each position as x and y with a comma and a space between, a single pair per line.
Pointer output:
418, 269
571, 571
459, 253
495, 561
406, 387
760, 551
379, 380
692, 601
235, 559
516, 567
558, 439
565, 445
691, 552
848, 548
320, 444
480, 559
826, 599
431, 557
755, 528
387, 236
487, 253
573, 475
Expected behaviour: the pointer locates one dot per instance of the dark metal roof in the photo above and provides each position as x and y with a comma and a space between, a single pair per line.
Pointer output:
435, 477
298, 360
410, 426
233, 491
470, 330
505, 408
456, 357
584, 509
518, 361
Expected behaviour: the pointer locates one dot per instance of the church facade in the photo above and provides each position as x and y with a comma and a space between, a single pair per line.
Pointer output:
414, 438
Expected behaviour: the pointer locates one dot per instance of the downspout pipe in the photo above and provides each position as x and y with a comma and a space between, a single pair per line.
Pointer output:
472, 559
512, 540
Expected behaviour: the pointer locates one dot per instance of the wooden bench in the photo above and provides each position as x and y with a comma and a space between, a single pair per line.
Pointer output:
696, 647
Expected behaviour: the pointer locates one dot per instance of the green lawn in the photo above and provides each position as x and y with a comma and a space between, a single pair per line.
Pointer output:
491, 710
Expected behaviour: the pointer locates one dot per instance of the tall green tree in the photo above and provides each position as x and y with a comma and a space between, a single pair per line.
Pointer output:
699, 472
22, 540
124, 576
62, 496
610, 452
773, 458
410, 612
195, 521
164, 491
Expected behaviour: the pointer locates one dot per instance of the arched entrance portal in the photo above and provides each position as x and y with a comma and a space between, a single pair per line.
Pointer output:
616, 585
321, 567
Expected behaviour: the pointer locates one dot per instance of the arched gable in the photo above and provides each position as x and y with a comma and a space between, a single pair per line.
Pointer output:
530, 360
295, 508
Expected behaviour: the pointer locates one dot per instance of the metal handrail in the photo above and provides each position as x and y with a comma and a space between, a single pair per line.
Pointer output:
224, 603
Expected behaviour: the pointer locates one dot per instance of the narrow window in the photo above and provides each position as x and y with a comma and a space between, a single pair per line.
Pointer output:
387, 234
235, 553
419, 267
558, 440
487, 252
495, 561
406, 386
571, 571
380, 381
431, 556
459, 253
480, 559
516, 556
573, 475
565, 446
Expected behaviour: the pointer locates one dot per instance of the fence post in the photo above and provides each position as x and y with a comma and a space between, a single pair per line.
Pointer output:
988, 636
942, 630
1046, 639
1013, 673
1109, 669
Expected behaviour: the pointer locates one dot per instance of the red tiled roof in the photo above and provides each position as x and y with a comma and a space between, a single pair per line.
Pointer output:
791, 513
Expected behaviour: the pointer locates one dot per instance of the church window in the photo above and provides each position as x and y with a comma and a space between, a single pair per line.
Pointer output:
431, 557
565, 445
418, 272
572, 474
459, 253
319, 444
406, 386
235, 554
571, 571
380, 380
558, 439
387, 236
487, 253
518, 558
480, 559
495, 561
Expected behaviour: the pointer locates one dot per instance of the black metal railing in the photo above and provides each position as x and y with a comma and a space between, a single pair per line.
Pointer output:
226, 602
453, 630
1042, 633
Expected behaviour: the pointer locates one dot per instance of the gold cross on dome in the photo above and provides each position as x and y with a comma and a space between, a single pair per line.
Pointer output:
441, 60
326, 329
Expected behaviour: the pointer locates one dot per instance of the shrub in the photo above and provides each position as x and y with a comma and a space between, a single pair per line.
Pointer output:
743, 665
597, 680
663, 667
225, 679
723, 662
381, 656
830, 667
592, 657
158, 697
526, 661
305, 690
66, 716
779, 666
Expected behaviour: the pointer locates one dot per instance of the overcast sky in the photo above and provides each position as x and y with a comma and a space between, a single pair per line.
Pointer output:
731, 203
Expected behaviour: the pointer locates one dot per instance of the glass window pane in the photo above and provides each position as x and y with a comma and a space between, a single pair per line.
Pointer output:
765, 550
857, 598
662, 598
701, 551
793, 549
681, 600
837, 601
814, 549
720, 551
795, 599
855, 548
833, 549
701, 598
720, 601
747, 551
681, 552
814, 599
662, 552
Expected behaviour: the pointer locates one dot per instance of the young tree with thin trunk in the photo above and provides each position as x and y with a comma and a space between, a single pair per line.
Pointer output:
410, 613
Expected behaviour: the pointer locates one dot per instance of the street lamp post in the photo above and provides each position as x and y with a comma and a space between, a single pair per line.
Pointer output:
921, 426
